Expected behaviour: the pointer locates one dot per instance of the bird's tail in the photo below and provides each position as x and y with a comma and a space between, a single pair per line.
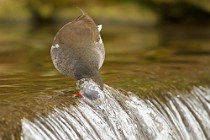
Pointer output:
83, 13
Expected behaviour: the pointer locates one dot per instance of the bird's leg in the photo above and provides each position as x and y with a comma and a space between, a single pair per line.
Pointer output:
78, 95
77, 88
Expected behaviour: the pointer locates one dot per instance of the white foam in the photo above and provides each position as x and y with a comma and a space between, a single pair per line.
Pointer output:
88, 88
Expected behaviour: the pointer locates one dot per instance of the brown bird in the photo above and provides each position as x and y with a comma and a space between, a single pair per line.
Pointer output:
78, 51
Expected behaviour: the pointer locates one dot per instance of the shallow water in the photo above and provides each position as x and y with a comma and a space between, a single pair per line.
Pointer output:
146, 61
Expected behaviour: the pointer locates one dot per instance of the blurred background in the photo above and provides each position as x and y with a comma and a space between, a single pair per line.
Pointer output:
146, 12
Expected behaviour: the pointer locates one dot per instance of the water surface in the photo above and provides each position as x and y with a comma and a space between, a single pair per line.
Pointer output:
146, 61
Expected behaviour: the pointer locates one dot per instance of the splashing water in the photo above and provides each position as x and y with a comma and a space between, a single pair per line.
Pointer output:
89, 89
125, 117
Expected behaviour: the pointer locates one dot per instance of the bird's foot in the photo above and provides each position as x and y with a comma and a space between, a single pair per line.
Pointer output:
78, 95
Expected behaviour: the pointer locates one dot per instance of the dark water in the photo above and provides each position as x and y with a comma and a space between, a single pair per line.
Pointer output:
146, 61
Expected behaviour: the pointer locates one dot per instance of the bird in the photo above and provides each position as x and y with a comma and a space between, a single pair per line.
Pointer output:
78, 51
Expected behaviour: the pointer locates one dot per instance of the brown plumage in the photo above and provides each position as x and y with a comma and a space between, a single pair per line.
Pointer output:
78, 51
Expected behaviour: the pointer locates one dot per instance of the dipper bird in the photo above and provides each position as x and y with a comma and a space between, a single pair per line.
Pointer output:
77, 50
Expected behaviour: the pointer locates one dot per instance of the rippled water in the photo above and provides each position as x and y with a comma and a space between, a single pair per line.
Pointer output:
149, 62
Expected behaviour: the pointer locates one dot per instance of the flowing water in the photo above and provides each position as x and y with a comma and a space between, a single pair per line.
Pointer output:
157, 86
126, 117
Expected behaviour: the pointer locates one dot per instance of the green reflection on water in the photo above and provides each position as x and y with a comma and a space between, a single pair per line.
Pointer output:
146, 61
